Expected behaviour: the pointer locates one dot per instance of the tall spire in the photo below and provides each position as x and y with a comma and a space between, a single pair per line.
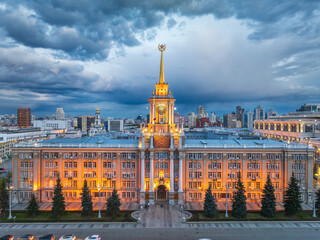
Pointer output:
161, 48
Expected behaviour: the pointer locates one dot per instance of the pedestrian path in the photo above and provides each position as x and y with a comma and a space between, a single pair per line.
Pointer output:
162, 215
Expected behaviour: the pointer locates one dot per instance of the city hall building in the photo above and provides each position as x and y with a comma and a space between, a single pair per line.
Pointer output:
160, 163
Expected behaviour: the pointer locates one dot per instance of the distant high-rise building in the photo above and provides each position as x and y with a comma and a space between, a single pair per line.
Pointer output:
239, 114
248, 119
85, 122
259, 113
60, 114
192, 117
201, 112
271, 113
213, 117
24, 117
179, 120
230, 120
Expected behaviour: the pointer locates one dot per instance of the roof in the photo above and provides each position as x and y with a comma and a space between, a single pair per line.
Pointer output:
101, 141
241, 144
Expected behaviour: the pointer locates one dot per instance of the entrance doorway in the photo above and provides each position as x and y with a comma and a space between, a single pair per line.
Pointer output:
161, 194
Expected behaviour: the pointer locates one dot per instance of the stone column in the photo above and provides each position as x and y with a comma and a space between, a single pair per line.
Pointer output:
151, 190
119, 171
171, 194
309, 176
142, 179
15, 176
181, 157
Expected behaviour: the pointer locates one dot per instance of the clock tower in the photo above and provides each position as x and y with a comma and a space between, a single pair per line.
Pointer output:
160, 145
161, 124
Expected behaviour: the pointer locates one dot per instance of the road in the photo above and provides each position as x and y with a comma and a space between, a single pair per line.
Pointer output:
120, 231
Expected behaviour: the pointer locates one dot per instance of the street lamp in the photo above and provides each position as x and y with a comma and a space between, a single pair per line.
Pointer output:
99, 188
10, 204
226, 201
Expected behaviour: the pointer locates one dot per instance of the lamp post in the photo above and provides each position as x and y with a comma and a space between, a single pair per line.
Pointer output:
226, 201
10, 192
99, 188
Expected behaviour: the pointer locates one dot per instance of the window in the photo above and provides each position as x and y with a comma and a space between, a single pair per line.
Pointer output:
161, 155
109, 155
232, 156
195, 156
215, 156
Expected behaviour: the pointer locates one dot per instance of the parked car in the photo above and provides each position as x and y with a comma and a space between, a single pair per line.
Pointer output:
68, 237
26, 237
47, 237
93, 237
7, 237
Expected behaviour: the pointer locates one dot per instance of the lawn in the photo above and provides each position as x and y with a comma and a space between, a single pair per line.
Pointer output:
70, 216
253, 216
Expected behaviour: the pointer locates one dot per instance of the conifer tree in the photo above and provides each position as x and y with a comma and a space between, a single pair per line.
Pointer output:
4, 197
58, 204
86, 201
210, 207
318, 201
268, 208
292, 198
113, 204
33, 207
239, 205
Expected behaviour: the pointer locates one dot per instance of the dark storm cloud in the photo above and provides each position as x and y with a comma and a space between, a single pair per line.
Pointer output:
89, 29
75, 32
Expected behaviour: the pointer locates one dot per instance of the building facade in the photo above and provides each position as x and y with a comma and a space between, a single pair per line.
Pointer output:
24, 117
159, 164
47, 124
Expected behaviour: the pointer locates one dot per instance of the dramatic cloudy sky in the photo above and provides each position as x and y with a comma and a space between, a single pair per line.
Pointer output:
80, 54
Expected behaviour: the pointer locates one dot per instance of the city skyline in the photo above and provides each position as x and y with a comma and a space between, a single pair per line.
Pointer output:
218, 55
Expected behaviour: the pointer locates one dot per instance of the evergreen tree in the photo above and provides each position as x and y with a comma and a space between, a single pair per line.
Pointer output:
268, 208
113, 204
239, 206
33, 207
4, 196
86, 201
210, 207
292, 198
58, 204
318, 201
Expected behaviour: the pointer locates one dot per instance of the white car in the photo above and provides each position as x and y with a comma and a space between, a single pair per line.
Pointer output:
68, 237
93, 237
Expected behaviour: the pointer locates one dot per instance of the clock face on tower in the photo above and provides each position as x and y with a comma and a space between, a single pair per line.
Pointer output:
161, 109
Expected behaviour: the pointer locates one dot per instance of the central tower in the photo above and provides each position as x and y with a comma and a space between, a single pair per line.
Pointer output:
161, 123
159, 145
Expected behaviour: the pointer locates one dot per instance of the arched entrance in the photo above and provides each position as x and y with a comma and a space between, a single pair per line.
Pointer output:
161, 194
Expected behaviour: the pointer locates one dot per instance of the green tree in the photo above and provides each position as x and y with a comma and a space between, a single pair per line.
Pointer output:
318, 201
113, 204
58, 204
4, 196
210, 207
33, 207
268, 208
239, 205
292, 198
86, 201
